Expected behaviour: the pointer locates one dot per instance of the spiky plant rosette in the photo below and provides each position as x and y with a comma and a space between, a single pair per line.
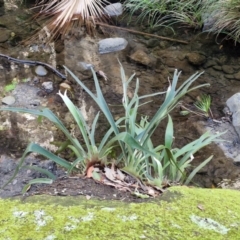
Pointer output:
65, 13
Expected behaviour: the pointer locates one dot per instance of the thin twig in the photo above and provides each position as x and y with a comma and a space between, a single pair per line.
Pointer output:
34, 63
142, 33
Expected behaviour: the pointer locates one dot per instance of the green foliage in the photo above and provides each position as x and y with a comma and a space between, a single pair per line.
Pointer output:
152, 11
186, 13
204, 104
166, 13
226, 16
139, 157
156, 165
11, 86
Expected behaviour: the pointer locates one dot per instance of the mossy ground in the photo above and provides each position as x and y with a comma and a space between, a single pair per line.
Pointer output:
75, 218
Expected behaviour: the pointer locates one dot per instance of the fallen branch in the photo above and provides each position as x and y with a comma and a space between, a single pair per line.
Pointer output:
34, 63
142, 33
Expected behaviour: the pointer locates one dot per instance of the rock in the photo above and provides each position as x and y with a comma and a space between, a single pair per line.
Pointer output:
143, 58
237, 76
9, 100
26, 95
114, 9
209, 64
4, 35
48, 86
234, 105
229, 76
209, 19
109, 45
41, 71
218, 68
35, 80
85, 66
187, 212
151, 43
227, 69
197, 59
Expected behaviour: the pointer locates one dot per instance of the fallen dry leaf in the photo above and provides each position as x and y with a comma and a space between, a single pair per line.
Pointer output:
89, 171
120, 175
110, 173
200, 207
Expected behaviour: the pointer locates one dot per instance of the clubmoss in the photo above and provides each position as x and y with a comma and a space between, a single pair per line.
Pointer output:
191, 213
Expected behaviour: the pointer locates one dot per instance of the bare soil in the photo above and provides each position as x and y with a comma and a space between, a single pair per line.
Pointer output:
62, 186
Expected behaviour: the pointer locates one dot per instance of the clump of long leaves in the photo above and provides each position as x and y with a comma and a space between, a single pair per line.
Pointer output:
86, 153
204, 105
154, 164
152, 11
186, 13
139, 157
226, 16
166, 13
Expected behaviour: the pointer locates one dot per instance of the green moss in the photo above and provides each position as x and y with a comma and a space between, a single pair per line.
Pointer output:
10, 87
77, 218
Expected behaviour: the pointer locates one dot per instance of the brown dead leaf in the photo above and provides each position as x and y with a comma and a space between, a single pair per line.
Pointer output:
89, 171
200, 206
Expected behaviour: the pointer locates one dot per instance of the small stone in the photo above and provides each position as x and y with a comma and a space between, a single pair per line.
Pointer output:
209, 19
4, 35
35, 80
227, 69
218, 68
41, 71
151, 43
209, 64
48, 86
229, 76
9, 100
143, 58
109, 45
237, 76
114, 9
196, 59
85, 66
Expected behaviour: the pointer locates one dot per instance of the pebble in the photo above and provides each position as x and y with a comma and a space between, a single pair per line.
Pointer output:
114, 9
41, 71
109, 45
48, 86
9, 100
85, 66
35, 80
